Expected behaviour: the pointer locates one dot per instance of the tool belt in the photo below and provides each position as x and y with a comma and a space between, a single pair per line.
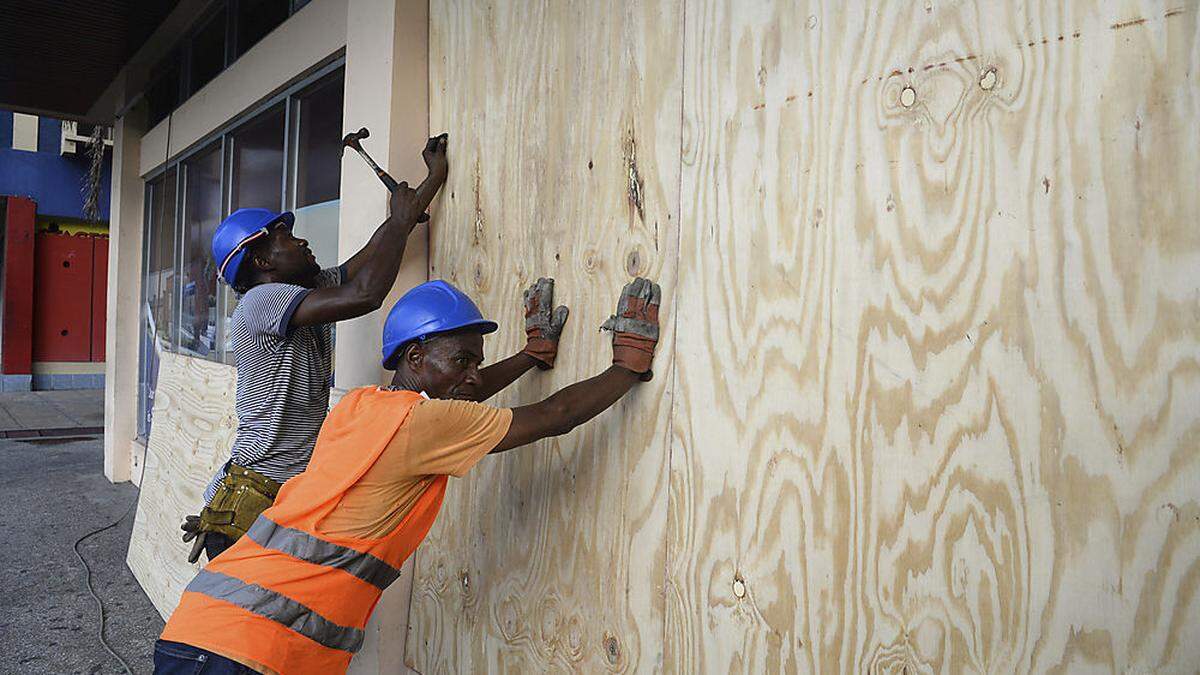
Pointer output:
242, 495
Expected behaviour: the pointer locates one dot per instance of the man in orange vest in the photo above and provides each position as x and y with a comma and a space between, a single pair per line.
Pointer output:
295, 593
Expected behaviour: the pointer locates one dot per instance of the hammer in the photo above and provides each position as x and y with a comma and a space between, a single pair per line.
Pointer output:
354, 140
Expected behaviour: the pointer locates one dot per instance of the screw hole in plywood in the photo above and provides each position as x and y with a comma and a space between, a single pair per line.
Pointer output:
908, 96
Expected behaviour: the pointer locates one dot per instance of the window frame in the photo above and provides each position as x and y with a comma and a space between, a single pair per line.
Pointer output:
289, 98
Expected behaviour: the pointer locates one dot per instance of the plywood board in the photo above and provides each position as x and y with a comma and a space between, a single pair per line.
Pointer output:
931, 401
937, 361
564, 142
194, 427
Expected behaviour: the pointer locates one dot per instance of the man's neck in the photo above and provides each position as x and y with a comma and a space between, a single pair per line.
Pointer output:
405, 381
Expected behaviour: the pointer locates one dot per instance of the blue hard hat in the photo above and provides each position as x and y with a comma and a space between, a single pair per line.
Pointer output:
432, 307
239, 229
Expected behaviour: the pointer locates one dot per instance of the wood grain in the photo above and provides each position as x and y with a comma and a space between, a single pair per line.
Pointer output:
933, 401
194, 427
565, 164
937, 363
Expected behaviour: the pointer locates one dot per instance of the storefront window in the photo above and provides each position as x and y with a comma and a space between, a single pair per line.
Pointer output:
250, 164
158, 284
258, 162
256, 18
319, 167
208, 51
201, 215
257, 167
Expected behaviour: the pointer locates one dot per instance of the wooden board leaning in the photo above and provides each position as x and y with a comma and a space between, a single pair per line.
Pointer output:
194, 427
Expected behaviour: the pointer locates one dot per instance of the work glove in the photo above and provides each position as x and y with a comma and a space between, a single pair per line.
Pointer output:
543, 323
635, 326
191, 530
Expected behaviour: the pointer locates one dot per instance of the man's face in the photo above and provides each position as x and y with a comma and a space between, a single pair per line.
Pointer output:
293, 261
449, 366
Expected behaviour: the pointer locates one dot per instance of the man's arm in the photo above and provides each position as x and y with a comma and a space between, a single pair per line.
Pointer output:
635, 336
375, 267
567, 408
434, 155
503, 373
367, 290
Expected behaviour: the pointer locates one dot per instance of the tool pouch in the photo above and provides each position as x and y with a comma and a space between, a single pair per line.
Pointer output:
242, 495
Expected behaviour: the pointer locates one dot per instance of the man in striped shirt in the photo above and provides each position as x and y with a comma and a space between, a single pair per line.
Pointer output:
281, 333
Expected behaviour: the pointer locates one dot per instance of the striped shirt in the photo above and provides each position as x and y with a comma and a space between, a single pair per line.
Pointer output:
283, 379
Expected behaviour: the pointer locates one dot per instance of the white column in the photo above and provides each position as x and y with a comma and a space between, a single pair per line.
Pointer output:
387, 79
124, 291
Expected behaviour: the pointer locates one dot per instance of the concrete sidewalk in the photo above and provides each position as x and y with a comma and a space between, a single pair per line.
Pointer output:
49, 414
54, 492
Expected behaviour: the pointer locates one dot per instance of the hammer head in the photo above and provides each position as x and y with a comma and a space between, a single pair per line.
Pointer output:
353, 140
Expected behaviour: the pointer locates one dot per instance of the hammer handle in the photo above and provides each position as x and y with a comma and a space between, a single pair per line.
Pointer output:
387, 179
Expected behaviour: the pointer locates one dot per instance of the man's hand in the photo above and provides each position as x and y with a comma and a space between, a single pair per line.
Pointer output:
191, 530
434, 155
404, 205
635, 327
543, 323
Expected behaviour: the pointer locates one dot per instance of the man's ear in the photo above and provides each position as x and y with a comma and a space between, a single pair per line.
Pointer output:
414, 354
261, 263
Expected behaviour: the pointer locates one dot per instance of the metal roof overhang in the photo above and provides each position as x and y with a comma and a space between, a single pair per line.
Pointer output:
58, 57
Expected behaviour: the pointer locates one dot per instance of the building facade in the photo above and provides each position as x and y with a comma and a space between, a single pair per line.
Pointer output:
53, 335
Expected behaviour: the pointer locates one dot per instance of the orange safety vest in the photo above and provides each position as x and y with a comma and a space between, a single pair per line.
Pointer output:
288, 596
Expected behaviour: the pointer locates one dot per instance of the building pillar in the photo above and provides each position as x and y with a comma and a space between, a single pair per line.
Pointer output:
123, 313
387, 80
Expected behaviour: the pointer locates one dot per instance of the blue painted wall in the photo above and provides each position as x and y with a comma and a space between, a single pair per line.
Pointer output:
52, 180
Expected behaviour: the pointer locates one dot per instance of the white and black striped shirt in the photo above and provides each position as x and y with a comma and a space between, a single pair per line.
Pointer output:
283, 379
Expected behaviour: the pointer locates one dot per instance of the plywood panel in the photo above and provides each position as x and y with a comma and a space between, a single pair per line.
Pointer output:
938, 389
194, 427
564, 130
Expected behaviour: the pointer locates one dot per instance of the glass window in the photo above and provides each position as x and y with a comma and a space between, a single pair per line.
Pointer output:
289, 155
257, 162
208, 51
257, 166
319, 167
201, 215
256, 18
158, 297
163, 95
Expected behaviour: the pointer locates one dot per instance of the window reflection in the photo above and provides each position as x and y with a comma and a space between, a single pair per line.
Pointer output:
201, 215
181, 294
319, 168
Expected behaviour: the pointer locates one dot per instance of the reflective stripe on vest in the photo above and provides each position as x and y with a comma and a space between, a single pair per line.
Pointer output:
279, 608
299, 544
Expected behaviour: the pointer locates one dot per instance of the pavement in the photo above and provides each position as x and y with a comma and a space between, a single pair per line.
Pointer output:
48, 414
54, 491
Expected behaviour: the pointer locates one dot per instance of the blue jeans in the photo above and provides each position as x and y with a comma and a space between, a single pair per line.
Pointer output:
176, 658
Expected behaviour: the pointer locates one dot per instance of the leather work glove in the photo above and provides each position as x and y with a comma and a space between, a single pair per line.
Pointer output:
635, 326
543, 323
191, 530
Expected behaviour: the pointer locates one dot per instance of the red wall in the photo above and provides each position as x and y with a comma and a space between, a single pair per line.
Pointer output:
70, 273
99, 297
17, 321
